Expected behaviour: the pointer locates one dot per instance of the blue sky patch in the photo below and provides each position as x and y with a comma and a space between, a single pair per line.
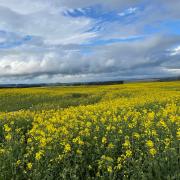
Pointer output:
12, 40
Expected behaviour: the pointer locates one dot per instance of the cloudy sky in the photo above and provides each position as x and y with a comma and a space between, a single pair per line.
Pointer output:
88, 40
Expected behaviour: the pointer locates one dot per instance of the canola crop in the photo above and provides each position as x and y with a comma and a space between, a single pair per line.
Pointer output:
129, 131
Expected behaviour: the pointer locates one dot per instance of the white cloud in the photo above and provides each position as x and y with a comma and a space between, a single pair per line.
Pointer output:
128, 11
2, 39
52, 28
175, 51
172, 71
25, 6
144, 57
56, 50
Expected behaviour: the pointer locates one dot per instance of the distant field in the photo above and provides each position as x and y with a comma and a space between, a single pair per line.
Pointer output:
128, 131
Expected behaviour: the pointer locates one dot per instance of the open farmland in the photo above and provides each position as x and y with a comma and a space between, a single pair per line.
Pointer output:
129, 131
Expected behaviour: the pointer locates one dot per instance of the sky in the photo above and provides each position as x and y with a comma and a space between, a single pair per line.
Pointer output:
49, 41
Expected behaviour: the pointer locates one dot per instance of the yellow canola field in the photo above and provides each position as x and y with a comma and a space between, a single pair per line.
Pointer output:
129, 131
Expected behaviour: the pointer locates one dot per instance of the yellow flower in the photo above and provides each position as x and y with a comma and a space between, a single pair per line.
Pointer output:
88, 124
120, 131
119, 167
18, 130
152, 151
2, 151
136, 135
67, 148
104, 140
7, 128
110, 146
161, 123
78, 140
128, 153
154, 133
18, 162
98, 174
167, 142
109, 169
79, 152
29, 166
42, 142
8, 137
106, 158
126, 144
108, 128
151, 115
29, 140
149, 144
39, 155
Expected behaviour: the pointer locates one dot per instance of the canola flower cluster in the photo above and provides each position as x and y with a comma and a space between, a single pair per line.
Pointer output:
132, 132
